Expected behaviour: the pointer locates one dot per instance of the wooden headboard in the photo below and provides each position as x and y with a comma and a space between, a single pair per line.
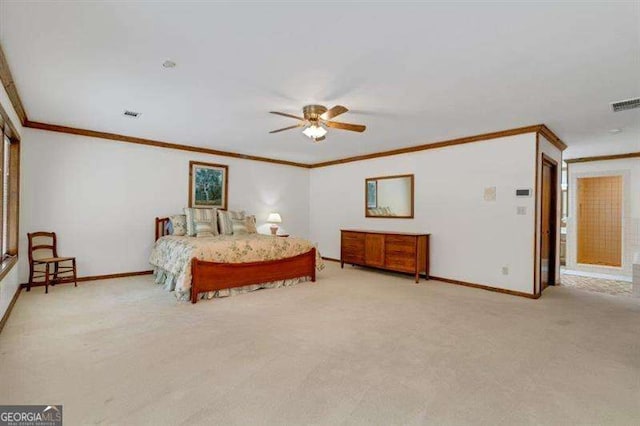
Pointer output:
162, 223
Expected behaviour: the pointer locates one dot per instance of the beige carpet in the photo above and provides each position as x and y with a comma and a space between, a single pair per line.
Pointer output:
357, 347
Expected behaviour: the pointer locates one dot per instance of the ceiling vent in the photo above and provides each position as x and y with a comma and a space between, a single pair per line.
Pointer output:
132, 114
626, 104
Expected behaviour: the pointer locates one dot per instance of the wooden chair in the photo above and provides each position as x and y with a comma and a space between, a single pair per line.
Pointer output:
43, 250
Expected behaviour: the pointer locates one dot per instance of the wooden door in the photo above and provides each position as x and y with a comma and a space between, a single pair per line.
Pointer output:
548, 224
600, 220
374, 250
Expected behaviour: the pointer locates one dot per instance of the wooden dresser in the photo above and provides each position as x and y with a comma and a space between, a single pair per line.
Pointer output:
394, 251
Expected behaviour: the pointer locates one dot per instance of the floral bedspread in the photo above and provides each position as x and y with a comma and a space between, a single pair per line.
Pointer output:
171, 256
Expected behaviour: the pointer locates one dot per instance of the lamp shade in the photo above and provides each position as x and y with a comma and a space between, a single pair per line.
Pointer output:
314, 131
274, 218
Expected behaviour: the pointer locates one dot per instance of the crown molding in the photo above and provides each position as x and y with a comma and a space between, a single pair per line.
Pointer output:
538, 129
552, 137
10, 87
603, 158
155, 143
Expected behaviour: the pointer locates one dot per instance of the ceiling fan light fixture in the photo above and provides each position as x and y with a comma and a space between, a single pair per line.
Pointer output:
315, 131
315, 120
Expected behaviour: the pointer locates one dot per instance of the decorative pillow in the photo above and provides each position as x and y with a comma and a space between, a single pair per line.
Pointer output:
226, 221
246, 225
201, 222
250, 223
178, 225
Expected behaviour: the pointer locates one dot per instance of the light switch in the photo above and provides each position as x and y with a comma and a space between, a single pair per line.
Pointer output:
522, 210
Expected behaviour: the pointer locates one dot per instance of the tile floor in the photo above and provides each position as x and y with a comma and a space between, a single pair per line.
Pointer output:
599, 285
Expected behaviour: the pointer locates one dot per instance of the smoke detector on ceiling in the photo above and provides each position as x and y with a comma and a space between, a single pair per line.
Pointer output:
625, 105
132, 114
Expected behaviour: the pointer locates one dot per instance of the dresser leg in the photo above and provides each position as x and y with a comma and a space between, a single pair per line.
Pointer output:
417, 277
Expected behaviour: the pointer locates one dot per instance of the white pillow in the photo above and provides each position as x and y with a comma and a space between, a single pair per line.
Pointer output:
201, 222
226, 219
178, 224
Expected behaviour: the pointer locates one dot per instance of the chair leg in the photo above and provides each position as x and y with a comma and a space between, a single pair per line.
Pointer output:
30, 276
46, 279
75, 277
56, 268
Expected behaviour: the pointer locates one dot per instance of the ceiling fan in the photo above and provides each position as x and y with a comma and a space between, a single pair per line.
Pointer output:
315, 120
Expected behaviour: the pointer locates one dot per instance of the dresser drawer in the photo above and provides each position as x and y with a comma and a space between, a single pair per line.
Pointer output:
352, 236
400, 244
400, 253
353, 247
400, 262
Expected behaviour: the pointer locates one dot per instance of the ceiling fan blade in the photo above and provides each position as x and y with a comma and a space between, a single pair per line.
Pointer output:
287, 128
287, 115
333, 112
346, 126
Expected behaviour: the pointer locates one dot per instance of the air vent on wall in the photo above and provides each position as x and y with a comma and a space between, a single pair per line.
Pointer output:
626, 104
132, 114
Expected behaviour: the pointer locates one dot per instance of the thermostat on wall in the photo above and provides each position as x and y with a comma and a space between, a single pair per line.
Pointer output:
523, 192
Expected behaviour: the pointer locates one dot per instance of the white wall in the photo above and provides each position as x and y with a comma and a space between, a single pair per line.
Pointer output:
101, 196
629, 169
9, 283
471, 239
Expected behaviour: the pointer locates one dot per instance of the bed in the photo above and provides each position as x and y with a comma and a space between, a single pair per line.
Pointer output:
221, 265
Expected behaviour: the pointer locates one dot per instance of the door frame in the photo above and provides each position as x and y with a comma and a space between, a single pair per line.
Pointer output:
553, 222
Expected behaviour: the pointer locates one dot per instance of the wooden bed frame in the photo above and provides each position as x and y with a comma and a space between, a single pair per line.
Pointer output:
211, 276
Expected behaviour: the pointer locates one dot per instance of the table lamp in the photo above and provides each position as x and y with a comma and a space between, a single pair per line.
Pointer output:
273, 219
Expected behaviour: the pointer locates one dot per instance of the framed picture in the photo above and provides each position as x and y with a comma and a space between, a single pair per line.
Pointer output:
208, 185
372, 194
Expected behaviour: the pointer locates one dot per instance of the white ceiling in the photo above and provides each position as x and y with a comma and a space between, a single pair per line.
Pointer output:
413, 73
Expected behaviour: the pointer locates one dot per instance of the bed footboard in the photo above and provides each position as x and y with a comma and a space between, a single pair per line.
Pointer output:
211, 276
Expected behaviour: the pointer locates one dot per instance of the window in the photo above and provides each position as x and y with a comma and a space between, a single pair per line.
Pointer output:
564, 201
5, 195
9, 175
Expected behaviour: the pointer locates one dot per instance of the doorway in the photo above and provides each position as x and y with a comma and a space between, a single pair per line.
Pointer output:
548, 222
599, 211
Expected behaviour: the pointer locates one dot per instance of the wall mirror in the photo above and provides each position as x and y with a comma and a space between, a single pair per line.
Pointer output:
389, 196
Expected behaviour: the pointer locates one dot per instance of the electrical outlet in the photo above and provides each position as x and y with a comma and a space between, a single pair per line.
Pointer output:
522, 210
505, 270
